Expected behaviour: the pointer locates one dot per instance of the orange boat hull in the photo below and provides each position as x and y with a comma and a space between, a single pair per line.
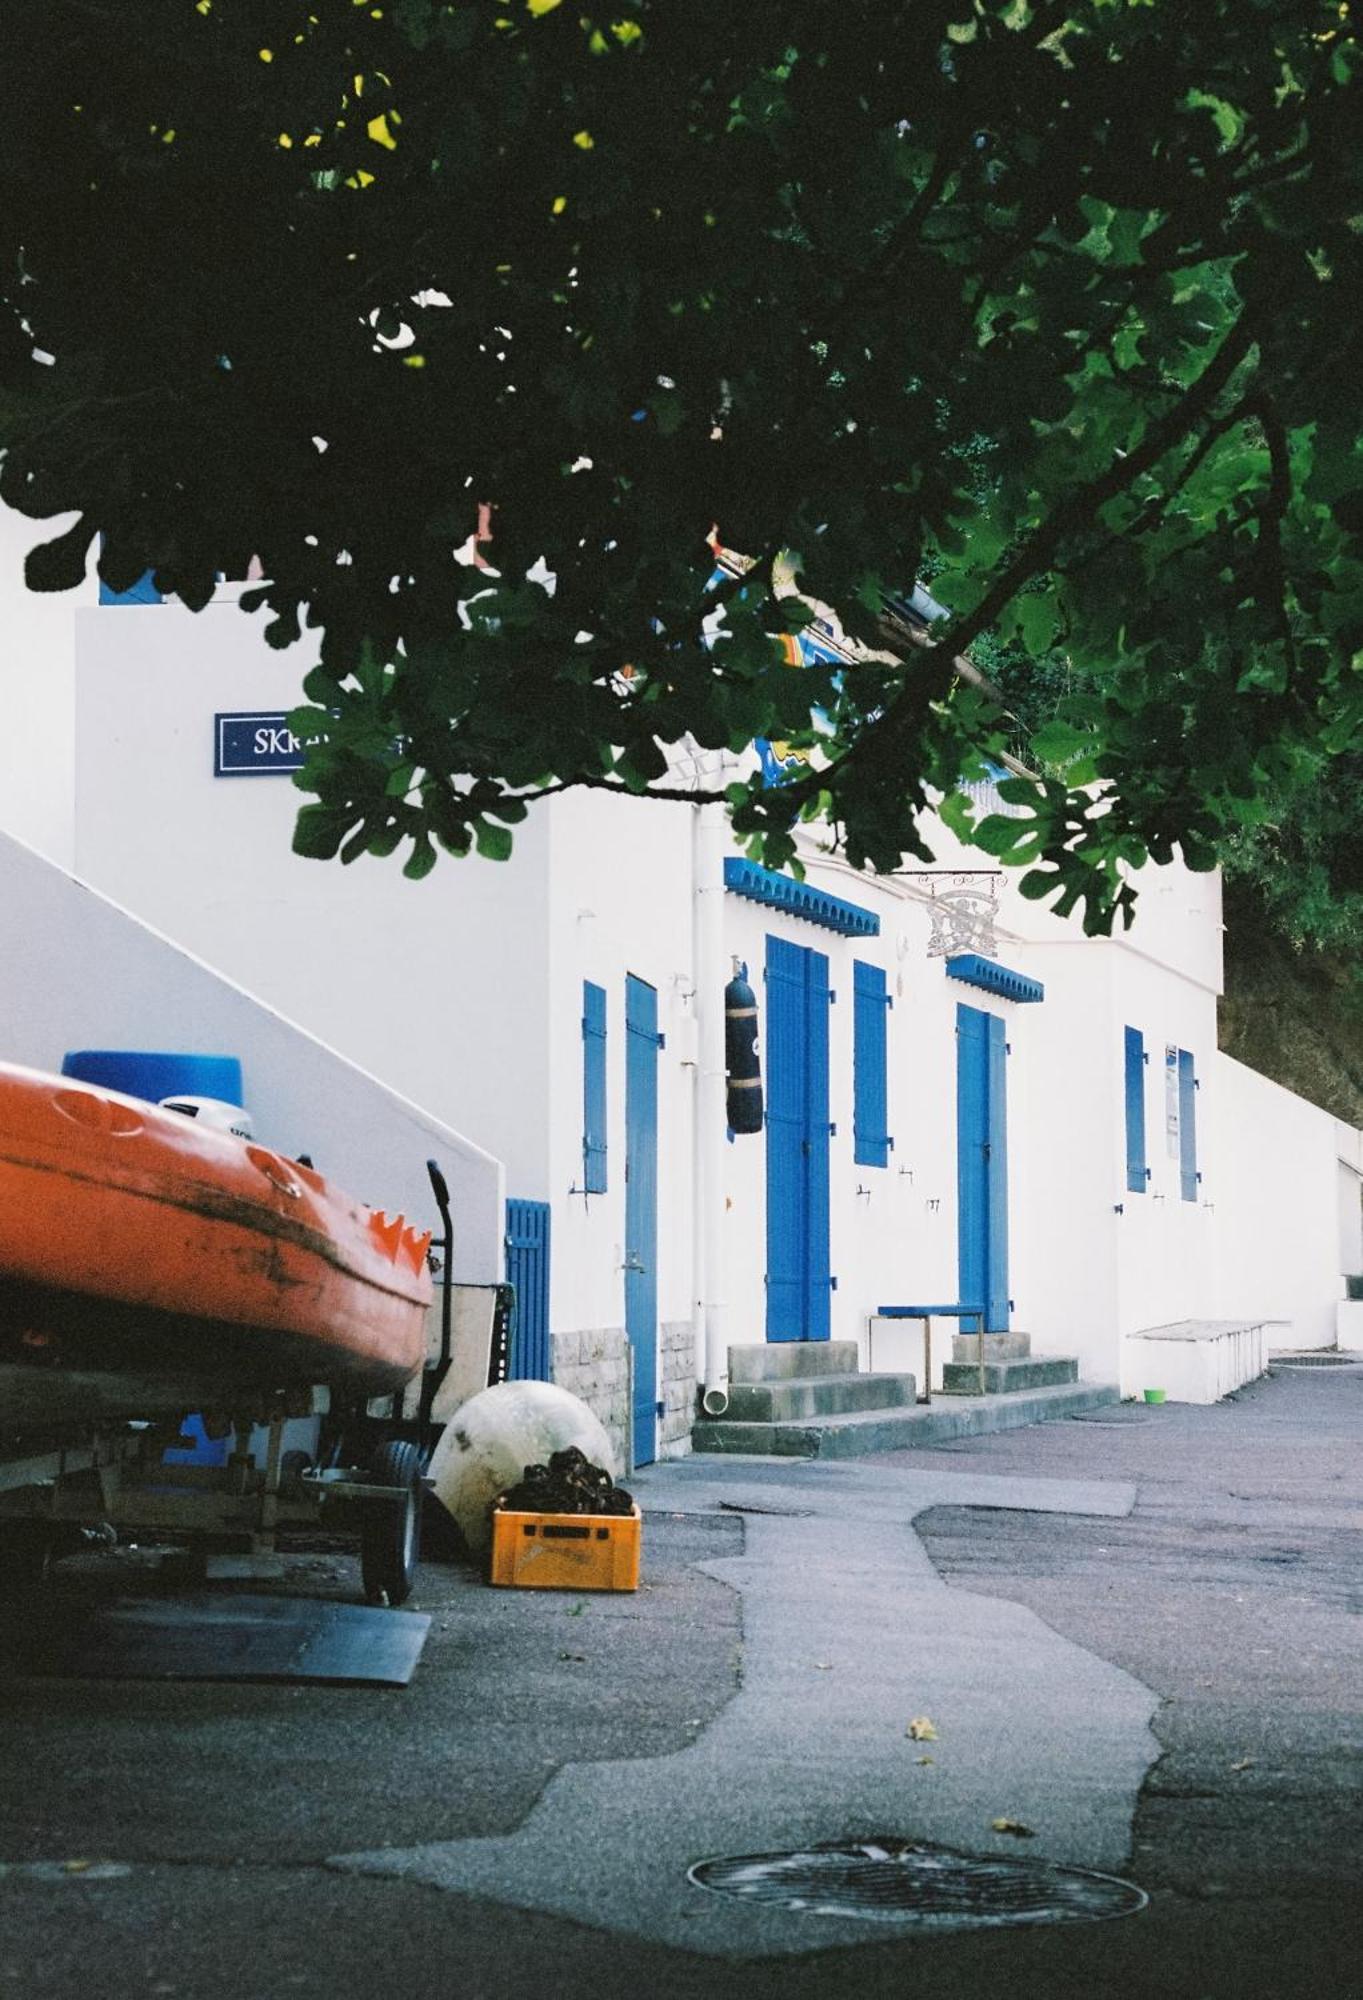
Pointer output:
134, 1238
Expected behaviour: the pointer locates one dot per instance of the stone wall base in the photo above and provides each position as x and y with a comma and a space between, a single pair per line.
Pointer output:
594, 1367
677, 1342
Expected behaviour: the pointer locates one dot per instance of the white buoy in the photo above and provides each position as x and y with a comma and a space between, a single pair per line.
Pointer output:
490, 1440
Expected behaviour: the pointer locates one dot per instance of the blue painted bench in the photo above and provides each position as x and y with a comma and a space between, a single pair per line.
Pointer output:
928, 1314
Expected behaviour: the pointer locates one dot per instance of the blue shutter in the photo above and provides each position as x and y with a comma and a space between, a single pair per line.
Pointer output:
787, 1194
1137, 1172
870, 1097
1187, 1128
972, 1139
641, 1207
593, 1088
818, 1276
527, 1273
798, 1277
996, 1301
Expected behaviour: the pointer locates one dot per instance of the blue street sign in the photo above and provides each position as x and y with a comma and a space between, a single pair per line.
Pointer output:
254, 746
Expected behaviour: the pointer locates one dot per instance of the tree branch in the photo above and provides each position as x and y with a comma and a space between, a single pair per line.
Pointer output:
1272, 592
605, 784
1081, 508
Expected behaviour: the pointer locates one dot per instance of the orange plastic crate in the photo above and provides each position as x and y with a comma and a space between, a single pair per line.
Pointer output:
566, 1551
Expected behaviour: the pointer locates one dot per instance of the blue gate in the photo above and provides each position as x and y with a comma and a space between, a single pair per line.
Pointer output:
641, 1208
527, 1268
798, 1278
982, 1164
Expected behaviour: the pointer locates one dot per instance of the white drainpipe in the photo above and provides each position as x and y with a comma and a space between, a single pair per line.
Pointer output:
710, 1317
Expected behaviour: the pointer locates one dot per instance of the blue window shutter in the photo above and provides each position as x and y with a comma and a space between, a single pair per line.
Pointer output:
1187, 1128
527, 1272
997, 1302
593, 1087
870, 1092
787, 1060
1137, 1172
818, 1278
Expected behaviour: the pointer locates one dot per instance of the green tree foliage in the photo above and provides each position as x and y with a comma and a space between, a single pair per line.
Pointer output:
317, 278
1301, 868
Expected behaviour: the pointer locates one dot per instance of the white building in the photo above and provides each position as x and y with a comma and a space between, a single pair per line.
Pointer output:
1049, 1133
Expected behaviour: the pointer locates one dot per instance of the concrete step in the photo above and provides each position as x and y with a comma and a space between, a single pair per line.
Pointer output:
1005, 1378
817, 1396
997, 1347
779, 1360
867, 1431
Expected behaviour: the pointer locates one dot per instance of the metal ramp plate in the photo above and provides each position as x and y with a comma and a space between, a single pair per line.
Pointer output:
213, 1636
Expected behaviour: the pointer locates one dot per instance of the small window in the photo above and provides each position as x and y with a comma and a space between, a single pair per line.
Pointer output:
593, 1088
1137, 1169
1189, 1177
870, 1096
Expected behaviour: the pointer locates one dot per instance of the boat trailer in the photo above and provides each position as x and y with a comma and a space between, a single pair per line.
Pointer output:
98, 1479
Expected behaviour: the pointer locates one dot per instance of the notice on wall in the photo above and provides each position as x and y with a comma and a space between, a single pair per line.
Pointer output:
1171, 1100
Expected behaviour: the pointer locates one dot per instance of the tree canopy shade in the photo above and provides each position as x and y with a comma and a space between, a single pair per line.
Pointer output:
1054, 304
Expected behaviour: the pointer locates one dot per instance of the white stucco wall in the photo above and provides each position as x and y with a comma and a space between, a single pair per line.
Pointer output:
1276, 1161
1168, 1267
437, 987
1062, 1139
619, 901
37, 692
78, 972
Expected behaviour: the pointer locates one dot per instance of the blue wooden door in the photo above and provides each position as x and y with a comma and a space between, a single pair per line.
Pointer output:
982, 1164
641, 1208
798, 1278
527, 1271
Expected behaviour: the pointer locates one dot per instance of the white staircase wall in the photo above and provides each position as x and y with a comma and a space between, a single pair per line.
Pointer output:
77, 971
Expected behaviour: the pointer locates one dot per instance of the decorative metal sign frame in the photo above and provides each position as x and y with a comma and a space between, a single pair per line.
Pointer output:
963, 912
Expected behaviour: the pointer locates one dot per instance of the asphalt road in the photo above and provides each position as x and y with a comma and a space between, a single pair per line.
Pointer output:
1230, 1591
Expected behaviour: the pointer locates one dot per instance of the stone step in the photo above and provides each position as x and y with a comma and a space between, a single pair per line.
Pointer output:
867, 1431
817, 1396
1006, 1378
779, 1360
997, 1347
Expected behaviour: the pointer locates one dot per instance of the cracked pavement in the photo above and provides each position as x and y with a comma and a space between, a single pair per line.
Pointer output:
1209, 1587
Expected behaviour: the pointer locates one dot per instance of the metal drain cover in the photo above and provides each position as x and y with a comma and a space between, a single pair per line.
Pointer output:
931, 1888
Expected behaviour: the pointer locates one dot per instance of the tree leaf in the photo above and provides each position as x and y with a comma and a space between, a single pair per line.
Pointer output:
420, 861
493, 841
318, 831
60, 564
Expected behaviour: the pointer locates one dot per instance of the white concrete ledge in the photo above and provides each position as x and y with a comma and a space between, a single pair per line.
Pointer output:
1196, 1360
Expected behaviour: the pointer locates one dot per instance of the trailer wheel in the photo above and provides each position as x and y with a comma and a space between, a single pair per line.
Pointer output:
390, 1533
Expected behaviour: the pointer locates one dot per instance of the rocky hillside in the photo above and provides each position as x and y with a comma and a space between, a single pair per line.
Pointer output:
1295, 1015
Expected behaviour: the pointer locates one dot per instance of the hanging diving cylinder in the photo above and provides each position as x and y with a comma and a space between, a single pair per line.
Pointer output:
741, 1060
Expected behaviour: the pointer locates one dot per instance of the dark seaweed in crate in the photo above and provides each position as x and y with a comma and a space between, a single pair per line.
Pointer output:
569, 1484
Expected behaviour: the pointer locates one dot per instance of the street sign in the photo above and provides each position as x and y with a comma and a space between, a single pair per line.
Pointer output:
256, 745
